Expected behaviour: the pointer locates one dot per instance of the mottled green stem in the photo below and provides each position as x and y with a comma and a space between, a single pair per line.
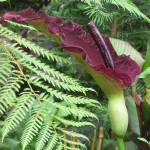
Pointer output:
118, 114
118, 117
120, 143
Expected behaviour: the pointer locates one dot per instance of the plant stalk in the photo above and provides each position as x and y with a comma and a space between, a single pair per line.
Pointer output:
120, 143
113, 28
94, 139
64, 134
73, 140
100, 138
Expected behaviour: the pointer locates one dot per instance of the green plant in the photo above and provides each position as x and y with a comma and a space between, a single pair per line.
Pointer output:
101, 11
97, 65
121, 47
42, 93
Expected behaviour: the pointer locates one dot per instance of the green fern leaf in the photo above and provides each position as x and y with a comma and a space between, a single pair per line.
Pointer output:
59, 147
18, 114
73, 123
31, 129
62, 96
22, 26
78, 112
44, 136
52, 142
73, 134
75, 143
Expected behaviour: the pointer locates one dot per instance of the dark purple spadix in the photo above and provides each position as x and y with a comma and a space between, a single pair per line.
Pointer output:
97, 37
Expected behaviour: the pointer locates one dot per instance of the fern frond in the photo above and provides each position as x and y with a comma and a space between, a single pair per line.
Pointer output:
45, 68
22, 26
19, 112
52, 142
77, 112
6, 67
44, 136
73, 134
51, 80
32, 128
34, 47
75, 143
61, 95
99, 14
7, 92
100, 5
73, 123
50, 71
55, 75
60, 146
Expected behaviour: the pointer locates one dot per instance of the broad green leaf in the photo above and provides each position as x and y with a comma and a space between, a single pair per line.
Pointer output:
123, 47
147, 63
145, 73
144, 140
147, 58
133, 115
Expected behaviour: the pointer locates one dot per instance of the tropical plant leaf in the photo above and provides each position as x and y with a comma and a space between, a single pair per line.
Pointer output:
133, 115
123, 47
144, 140
147, 58
147, 63
145, 73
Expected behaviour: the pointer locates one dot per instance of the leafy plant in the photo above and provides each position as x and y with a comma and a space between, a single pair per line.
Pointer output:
30, 87
105, 11
99, 65
58, 29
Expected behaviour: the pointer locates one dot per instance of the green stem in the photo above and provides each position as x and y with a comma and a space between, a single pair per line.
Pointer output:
118, 114
120, 143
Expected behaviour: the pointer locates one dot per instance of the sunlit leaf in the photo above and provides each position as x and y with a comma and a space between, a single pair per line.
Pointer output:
144, 140
123, 47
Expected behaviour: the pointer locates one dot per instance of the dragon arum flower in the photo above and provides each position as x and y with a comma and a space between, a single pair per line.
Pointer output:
98, 57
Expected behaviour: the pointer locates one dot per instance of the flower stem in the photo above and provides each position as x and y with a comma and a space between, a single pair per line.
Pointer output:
120, 143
